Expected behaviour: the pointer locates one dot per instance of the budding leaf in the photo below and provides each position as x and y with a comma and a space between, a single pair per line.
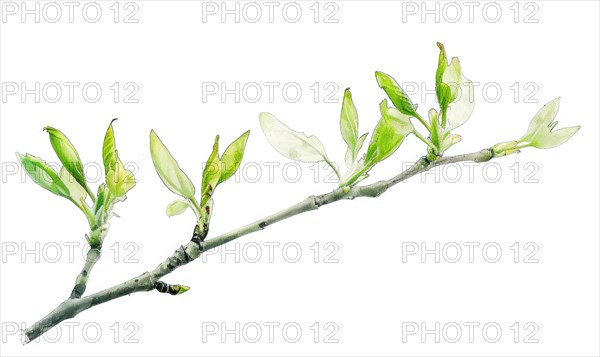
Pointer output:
351, 156
232, 157
540, 134
168, 170
505, 148
180, 289
100, 198
396, 94
292, 144
349, 121
109, 149
76, 192
67, 154
212, 171
449, 140
177, 207
442, 90
43, 175
389, 133
120, 180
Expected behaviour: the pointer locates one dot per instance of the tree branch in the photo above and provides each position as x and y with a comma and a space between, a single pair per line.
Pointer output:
148, 280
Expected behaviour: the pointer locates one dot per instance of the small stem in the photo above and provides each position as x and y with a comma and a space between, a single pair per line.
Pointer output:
423, 139
443, 119
337, 173
420, 118
93, 255
85, 209
521, 146
196, 206
89, 192
353, 178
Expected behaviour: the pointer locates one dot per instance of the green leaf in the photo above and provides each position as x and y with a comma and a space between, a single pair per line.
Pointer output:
212, 171
460, 95
77, 193
67, 154
177, 207
555, 138
349, 121
43, 175
109, 149
396, 94
232, 157
389, 133
120, 180
540, 134
441, 89
101, 197
292, 144
168, 170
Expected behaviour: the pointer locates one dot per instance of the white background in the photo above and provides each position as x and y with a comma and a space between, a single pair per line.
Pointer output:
371, 292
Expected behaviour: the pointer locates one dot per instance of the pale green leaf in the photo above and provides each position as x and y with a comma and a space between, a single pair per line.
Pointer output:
541, 121
177, 207
168, 170
360, 143
351, 156
436, 129
43, 175
505, 148
449, 140
120, 180
349, 121
555, 138
212, 171
67, 154
232, 157
540, 133
78, 193
109, 149
292, 144
461, 96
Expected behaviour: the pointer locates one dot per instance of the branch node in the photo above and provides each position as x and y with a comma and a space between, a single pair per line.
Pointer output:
186, 255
